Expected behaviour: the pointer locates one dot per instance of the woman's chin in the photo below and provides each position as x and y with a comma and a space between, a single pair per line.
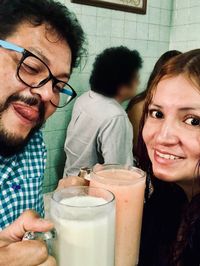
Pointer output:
164, 176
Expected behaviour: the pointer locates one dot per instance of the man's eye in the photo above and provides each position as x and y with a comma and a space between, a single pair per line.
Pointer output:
57, 89
29, 69
156, 114
193, 121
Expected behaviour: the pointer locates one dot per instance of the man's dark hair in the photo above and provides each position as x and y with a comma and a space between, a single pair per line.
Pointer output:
113, 68
37, 12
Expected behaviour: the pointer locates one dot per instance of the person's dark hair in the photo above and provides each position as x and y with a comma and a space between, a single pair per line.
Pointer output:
113, 68
161, 61
187, 64
53, 13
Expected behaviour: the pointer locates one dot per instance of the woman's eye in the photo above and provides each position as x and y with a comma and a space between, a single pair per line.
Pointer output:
193, 121
156, 114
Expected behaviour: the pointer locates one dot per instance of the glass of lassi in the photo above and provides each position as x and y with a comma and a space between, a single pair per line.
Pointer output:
84, 219
127, 183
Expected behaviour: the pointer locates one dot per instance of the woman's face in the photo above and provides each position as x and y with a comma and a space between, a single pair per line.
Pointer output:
172, 130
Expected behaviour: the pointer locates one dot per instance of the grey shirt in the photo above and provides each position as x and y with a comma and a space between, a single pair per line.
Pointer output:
99, 132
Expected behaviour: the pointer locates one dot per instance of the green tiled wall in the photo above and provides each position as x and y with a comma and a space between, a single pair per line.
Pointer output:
185, 25
149, 34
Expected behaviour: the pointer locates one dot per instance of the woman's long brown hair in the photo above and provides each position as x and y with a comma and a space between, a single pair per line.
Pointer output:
187, 64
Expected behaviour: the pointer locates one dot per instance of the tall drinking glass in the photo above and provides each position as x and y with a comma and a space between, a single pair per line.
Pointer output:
84, 219
127, 184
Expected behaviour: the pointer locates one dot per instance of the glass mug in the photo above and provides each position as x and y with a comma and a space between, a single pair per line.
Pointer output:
84, 220
127, 183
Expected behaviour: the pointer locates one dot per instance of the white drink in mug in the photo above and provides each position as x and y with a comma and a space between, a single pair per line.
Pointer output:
84, 219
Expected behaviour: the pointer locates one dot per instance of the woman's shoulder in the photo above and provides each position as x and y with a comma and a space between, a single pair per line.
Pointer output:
163, 210
167, 192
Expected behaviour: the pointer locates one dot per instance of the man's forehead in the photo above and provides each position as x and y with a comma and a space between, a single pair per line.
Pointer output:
41, 41
39, 35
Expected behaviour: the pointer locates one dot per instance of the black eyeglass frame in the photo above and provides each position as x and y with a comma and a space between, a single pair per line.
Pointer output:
25, 54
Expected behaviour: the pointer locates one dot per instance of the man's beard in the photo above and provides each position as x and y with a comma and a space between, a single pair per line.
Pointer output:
10, 144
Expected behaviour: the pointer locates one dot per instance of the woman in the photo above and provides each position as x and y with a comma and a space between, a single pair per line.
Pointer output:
136, 105
169, 150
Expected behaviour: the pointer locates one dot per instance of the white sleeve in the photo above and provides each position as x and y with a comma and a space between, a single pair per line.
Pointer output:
115, 141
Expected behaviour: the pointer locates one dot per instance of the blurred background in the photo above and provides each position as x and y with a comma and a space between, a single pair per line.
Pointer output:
168, 24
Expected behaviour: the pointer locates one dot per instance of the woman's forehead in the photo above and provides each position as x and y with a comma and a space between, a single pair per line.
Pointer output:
176, 88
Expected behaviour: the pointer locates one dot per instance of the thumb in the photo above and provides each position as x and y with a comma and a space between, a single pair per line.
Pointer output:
28, 221
98, 167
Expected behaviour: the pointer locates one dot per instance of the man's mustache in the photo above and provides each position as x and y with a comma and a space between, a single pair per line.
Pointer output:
27, 100
31, 101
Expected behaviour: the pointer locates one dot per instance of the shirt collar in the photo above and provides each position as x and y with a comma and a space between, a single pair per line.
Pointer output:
98, 96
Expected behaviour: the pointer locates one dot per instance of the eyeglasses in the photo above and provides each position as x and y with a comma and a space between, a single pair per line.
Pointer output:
33, 72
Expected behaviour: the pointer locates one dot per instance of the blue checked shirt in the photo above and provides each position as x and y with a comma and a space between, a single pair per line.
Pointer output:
21, 178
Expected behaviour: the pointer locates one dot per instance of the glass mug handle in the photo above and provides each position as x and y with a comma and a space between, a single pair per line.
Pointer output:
85, 173
47, 237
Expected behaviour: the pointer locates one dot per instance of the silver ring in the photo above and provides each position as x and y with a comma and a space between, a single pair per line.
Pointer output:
40, 235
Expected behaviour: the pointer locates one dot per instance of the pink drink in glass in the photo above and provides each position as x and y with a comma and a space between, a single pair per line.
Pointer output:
128, 185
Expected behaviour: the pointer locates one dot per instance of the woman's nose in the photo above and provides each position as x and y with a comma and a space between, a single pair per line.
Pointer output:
167, 133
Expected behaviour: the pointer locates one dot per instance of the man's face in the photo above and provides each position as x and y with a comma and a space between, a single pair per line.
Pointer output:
22, 109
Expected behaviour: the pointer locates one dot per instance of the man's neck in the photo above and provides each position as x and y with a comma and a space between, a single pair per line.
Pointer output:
119, 99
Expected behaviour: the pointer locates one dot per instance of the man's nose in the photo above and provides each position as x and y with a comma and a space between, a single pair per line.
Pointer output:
45, 92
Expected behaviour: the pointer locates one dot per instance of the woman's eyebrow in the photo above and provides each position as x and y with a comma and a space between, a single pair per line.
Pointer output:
189, 108
182, 109
155, 105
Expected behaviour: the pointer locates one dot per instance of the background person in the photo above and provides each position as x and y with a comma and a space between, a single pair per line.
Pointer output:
100, 131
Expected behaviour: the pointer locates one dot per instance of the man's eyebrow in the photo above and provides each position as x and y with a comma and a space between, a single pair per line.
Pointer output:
64, 75
39, 53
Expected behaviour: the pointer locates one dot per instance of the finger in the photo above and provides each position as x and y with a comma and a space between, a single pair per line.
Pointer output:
28, 221
79, 181
98, 167
49, 262
72, 181
68, 181
30, 253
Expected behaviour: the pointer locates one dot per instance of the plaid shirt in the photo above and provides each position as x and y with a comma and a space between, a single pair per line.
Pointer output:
21, 178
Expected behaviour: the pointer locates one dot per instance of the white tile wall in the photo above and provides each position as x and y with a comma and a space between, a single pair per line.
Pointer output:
185, 31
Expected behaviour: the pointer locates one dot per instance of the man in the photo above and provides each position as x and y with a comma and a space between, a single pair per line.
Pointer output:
99, 131
41, 42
